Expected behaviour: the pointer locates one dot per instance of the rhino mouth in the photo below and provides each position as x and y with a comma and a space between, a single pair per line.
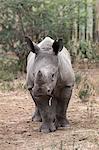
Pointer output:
49, 98
42, 95
39, 94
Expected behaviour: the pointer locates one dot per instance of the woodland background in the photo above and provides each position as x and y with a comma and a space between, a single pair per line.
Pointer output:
77, 23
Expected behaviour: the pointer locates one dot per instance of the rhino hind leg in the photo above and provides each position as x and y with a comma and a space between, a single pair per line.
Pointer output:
36, 116
62, 105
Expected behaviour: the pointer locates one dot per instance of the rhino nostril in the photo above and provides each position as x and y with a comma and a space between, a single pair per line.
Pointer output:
39, 89
49, 91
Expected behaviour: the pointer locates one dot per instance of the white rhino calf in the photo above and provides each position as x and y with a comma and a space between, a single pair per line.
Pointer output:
50, 80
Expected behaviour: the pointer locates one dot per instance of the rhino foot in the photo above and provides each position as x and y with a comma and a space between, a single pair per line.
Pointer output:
46, 128
64, 123
36, 118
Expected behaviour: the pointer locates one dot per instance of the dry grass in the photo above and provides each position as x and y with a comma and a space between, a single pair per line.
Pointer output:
17, 131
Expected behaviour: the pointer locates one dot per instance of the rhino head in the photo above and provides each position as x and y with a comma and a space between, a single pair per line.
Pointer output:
45, 67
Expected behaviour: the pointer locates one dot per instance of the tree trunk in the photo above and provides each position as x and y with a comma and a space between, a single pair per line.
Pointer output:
78, 21
71, 31
85, 19
94, 21
97, 20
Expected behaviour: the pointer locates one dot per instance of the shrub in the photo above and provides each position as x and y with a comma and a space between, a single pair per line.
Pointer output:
81, 49
84, 87
8, 68
86, 50
6, 86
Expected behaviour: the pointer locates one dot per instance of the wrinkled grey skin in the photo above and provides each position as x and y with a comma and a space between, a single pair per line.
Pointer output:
50, 80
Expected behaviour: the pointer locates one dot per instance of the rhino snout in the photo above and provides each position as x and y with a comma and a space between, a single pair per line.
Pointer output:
42, 91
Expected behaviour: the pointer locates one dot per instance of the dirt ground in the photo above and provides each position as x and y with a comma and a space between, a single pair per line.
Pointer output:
18, 132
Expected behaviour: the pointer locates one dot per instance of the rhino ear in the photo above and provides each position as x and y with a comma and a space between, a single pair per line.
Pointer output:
34, 48
57, 46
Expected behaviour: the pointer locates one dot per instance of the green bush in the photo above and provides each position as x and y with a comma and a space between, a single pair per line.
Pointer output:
8, 69
78, 78
84, 87
6, 86
86, 50
82, 49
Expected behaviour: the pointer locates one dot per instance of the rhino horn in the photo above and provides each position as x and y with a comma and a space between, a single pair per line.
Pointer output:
39, 77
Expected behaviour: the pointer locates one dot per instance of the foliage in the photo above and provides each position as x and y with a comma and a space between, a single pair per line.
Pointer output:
85, 88
72, 46
86, 50
37, 19
6, 86
8, 69
41, 18
9, 73
82, 49
78, 79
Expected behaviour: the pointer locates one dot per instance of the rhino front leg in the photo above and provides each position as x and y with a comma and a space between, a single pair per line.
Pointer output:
62, 105
47, 114
36, 116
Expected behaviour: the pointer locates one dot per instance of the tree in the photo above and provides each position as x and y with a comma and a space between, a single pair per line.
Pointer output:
78, 20
97, 20
85, 19
94, 20
67, 19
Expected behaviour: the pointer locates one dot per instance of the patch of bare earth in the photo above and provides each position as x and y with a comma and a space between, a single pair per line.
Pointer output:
18, 132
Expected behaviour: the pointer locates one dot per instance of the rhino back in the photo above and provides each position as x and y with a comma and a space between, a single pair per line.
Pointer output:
65, 68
